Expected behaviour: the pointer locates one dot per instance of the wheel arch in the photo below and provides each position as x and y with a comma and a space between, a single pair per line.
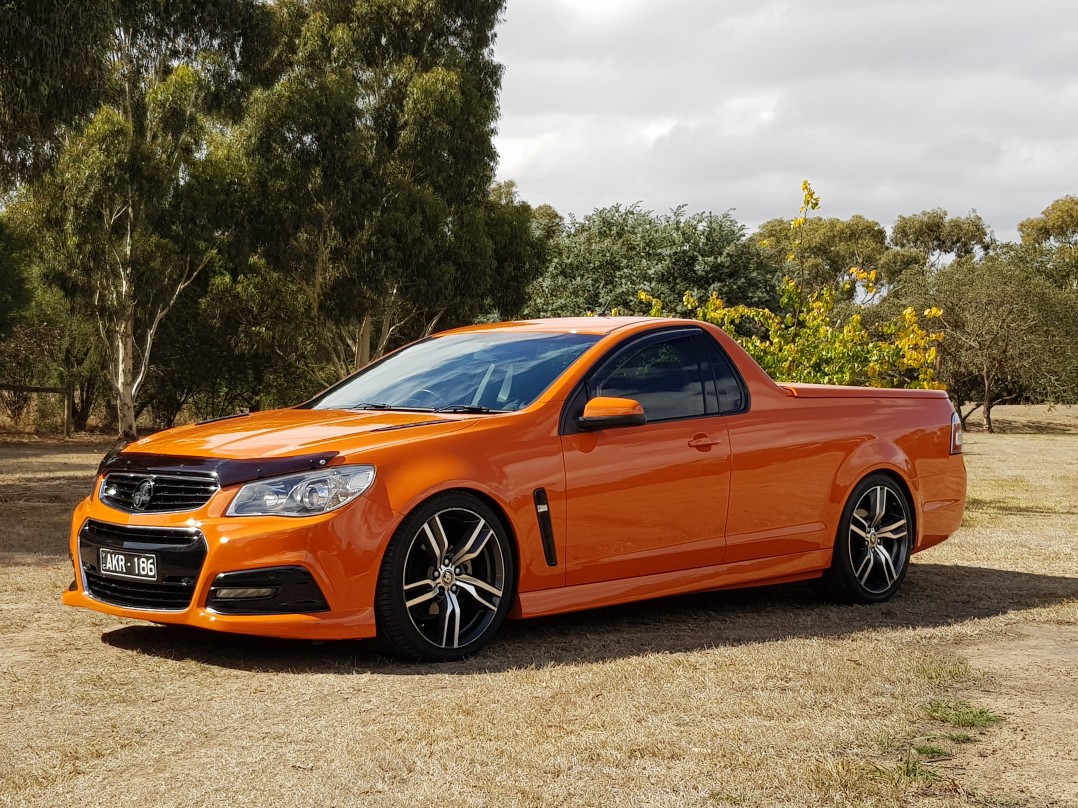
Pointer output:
397, 628
504, 480
487, 499
840, 581
877, 457
903, 484
510, 528
907, 489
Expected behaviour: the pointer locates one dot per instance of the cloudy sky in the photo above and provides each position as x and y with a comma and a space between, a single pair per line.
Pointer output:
889, 107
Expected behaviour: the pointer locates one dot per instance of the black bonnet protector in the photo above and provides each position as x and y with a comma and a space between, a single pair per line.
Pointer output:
228, 472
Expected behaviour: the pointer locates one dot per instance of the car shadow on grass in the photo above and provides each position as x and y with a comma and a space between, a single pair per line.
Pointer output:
1008, 426
976, 506
933, 595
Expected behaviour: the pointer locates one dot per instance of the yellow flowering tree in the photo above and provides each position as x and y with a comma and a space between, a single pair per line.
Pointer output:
806, 341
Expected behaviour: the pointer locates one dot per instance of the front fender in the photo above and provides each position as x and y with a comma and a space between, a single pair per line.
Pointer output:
502, 468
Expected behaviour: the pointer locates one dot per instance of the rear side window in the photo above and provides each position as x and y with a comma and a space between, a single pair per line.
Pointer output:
724, 389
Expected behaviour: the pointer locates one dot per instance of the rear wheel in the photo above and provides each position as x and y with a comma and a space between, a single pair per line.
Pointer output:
872, 548
446, 580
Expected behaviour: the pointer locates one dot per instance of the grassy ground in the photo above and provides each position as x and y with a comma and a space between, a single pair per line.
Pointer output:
959, 692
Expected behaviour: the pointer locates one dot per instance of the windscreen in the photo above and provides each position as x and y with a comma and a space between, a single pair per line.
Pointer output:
477, 372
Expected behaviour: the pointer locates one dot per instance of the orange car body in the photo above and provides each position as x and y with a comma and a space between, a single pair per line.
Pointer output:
652, 510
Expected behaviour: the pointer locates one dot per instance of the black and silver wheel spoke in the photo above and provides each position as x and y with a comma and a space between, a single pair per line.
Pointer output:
451, 617
475, 544
887, 566
894, 531
430, 593
472, 586
865, 569
436, 536
880, 495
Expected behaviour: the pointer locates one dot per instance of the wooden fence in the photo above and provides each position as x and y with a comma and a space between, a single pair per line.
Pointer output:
67, 392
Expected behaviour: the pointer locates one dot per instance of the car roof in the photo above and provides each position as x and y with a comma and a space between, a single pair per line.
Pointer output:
564, 325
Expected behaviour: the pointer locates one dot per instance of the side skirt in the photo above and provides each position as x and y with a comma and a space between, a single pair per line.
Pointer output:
757, 572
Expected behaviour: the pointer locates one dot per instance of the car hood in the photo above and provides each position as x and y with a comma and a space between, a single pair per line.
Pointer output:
288, 433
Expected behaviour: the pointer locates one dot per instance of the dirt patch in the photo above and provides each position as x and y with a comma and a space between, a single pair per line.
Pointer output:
40, 483
1030, 677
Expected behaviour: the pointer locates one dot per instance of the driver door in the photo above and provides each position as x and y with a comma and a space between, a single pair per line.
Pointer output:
652, 498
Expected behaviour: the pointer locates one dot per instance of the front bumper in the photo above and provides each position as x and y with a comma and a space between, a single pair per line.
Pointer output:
327, 568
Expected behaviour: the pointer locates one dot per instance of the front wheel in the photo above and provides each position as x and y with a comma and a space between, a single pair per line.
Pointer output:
873, 544
446, 580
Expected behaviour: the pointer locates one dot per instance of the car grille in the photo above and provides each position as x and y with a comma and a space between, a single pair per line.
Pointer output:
168, 595
136, 537
180, 553
128, 491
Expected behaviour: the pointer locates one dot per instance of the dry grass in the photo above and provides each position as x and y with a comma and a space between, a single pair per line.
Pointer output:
763, 697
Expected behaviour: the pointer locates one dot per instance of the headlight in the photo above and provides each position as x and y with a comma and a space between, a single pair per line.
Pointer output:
306, 494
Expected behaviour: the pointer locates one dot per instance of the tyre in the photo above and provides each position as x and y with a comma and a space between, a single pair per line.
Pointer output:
446, 580
873, 543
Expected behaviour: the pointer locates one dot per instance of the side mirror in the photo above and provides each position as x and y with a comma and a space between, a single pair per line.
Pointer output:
604, 412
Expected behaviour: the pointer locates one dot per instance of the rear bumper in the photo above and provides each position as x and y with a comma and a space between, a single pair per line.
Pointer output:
943, 503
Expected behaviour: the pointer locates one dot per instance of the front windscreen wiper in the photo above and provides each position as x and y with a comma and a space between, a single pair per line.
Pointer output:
369, 405
468, 408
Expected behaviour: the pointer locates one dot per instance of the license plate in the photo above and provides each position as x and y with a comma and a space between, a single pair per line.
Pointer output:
117, 564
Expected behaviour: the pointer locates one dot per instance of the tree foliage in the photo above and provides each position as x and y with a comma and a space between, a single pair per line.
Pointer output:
14, 290
1008, 330
806, 338
1056, 230
317, 170
227, 204
369, 164
806, 341
52, 338
122, 208
600, 263
52, 72
820, 253
935, 237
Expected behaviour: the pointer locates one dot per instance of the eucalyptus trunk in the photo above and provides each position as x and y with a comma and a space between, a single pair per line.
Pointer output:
125, 381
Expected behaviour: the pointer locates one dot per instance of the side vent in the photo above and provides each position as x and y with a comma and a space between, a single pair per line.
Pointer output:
546, 527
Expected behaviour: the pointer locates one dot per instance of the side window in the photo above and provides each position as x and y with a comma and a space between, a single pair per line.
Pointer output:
725, 391
663, 376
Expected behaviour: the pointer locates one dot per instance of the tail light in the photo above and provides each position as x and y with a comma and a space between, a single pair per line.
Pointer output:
956, 434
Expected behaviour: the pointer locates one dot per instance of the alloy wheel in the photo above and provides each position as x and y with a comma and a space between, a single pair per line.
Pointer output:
454, 578
879, 539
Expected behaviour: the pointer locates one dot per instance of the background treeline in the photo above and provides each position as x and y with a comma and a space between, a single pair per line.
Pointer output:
216, 205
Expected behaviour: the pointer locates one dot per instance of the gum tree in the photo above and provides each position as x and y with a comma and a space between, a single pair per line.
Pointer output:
371, 162
1007, 330
121, 204
1056, 230
53, 70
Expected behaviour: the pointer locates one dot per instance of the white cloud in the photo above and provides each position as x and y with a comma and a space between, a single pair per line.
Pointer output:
889, 107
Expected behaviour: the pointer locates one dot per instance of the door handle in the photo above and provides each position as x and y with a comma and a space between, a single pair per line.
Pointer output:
701, 440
